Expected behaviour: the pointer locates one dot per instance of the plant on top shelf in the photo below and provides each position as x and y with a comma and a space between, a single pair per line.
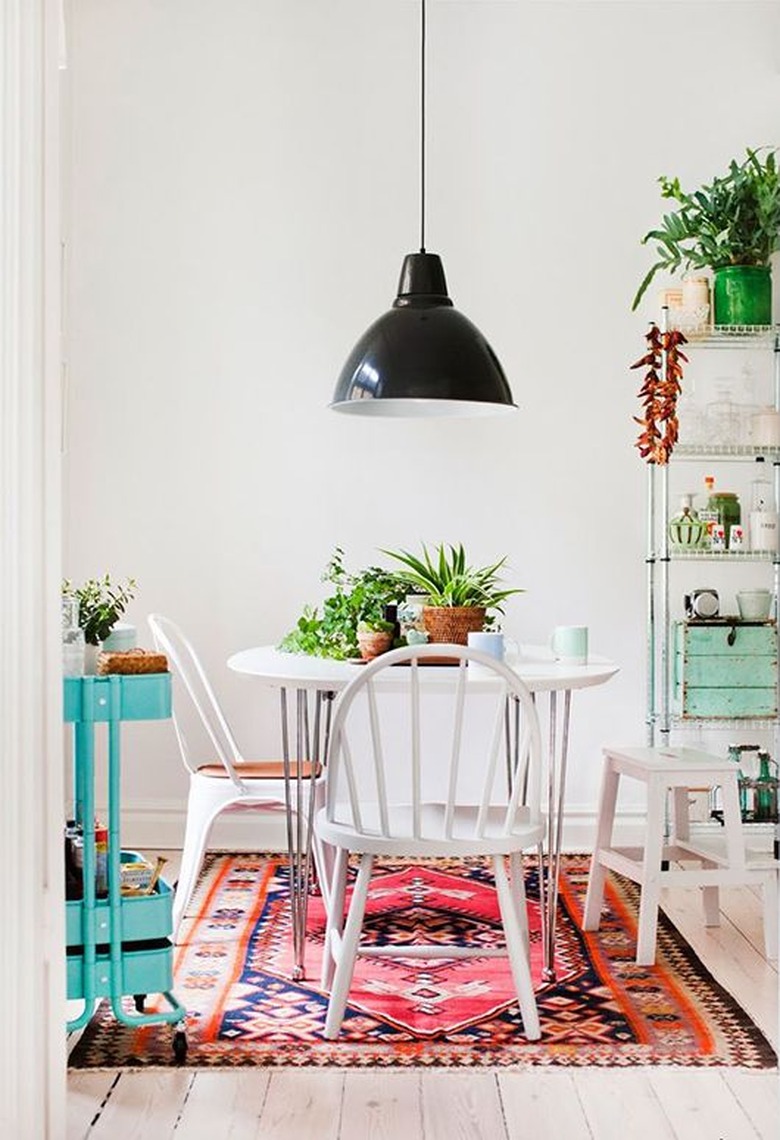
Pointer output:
359, 599
101, 604
730, 225
459, 596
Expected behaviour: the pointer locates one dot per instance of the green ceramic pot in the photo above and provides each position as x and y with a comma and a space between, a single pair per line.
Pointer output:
742, 295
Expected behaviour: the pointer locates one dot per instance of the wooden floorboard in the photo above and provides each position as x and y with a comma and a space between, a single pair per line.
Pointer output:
543, 1105
416, 1104
462, 1105
382, 1106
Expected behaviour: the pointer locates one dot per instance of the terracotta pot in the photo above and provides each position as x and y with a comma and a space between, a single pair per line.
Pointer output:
452, 624
373, 642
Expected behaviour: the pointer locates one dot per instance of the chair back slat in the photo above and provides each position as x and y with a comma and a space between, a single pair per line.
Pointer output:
354, 798
416, 799
498, 732
379, 760
417, 753
457, 737
191, 676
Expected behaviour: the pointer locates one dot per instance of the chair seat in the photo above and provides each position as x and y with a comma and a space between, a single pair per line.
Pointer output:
433, 838
258, 770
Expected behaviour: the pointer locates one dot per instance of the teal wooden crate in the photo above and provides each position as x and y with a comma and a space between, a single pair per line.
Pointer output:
146, 696
725, 670
145, 969
141, 918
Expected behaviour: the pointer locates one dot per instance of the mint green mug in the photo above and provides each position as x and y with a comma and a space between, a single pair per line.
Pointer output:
569, 644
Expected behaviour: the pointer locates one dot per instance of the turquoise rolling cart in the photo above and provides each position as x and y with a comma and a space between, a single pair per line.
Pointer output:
116, 946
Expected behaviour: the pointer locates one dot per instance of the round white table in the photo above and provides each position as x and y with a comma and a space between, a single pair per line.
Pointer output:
324, 678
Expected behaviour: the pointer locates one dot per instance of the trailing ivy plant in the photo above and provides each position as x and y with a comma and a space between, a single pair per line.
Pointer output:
362, 597
733, 220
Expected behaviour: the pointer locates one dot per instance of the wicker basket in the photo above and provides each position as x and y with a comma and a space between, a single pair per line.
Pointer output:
452, 624
131, 661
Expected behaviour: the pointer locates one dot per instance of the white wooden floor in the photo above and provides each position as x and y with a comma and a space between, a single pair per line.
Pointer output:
545, 1104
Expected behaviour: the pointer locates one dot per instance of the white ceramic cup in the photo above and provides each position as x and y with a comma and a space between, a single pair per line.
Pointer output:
754, 605
486, 642
569, 644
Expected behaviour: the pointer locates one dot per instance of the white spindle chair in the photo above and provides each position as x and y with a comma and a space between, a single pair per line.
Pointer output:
221, 779
426, 762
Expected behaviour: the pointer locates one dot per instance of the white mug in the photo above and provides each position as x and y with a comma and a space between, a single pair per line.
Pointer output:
486, 642
569, 644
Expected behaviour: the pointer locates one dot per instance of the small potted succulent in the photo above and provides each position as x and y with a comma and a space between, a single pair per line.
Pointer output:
731, 226
459, 596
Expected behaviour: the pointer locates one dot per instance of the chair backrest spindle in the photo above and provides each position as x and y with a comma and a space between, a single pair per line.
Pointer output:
415, 752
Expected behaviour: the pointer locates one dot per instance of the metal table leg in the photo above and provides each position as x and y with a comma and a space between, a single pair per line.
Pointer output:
556, 786
310, 747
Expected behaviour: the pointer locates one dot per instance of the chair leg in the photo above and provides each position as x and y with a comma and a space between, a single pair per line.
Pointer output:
200, 816
651, 874
770, 890
509, 904
710, 897
517, 874
594, 899
335, 911
345, 967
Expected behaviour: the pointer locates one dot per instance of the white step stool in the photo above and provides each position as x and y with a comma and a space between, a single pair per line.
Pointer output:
720, 863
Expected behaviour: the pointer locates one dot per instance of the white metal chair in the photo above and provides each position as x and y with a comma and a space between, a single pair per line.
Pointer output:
222, 780
416, 768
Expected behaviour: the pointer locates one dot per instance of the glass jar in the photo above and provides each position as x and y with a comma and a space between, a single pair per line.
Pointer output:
728, 509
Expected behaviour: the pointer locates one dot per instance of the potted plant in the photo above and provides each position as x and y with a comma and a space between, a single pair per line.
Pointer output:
101, 603
459, 595
731, 226
374, 636
358, 598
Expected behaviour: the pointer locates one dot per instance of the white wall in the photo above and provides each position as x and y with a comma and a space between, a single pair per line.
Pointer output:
244, 186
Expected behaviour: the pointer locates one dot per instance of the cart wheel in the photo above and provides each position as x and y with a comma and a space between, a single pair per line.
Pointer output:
139, 1000
180, 1046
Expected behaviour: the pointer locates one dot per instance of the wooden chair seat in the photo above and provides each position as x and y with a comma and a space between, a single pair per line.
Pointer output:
257, 770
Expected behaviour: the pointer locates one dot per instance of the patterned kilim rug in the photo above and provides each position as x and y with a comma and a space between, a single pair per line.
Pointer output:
233, 964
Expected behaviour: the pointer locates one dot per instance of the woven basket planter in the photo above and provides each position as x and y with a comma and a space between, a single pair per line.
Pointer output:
452, 624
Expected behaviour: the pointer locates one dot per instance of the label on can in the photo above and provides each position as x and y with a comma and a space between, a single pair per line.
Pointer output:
718, 537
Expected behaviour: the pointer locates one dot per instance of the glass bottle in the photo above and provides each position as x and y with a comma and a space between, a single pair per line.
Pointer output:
766, 786
763, 515
707, 515
723, 417
73, 645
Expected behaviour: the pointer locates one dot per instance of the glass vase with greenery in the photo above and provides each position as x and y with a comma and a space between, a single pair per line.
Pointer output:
101, 603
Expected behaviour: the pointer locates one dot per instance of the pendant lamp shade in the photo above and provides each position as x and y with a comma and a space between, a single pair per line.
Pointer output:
422, 357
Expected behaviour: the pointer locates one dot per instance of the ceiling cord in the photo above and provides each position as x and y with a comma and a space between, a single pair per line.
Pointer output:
422, 125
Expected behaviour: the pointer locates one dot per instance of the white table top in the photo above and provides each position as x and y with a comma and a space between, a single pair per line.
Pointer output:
535, 665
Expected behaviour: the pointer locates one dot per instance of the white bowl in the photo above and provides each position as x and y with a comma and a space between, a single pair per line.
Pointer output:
754, 605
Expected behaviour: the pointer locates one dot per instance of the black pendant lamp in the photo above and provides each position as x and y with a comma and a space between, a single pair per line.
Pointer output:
422, 357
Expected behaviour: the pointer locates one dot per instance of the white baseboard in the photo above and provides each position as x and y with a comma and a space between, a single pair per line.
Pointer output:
160, 826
